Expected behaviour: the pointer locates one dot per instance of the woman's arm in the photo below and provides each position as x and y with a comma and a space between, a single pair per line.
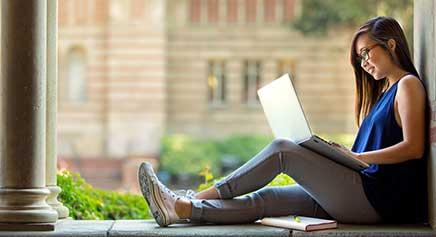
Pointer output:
410, 111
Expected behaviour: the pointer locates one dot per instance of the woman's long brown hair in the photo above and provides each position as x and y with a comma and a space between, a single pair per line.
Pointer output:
368, 90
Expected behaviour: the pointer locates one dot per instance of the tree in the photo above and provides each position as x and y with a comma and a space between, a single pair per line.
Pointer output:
318, 16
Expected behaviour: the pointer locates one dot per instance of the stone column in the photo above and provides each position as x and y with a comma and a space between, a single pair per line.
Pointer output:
23, 189
51, 123
425, 59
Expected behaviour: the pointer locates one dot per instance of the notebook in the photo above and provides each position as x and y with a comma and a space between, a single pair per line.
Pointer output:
299, 223
286, 118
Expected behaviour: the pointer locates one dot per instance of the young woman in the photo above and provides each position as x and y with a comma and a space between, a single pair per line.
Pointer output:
391, 108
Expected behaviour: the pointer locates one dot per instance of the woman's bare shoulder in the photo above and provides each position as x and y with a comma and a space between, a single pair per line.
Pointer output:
411, 82
410, 86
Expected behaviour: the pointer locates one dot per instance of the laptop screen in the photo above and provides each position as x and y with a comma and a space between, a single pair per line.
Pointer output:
283, 110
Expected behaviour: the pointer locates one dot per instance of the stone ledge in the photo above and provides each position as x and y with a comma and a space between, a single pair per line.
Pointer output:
148, 228
372, 231
68, 228
142, 228
27, 227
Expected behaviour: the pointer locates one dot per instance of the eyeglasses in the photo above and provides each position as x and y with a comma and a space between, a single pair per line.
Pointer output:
364, 54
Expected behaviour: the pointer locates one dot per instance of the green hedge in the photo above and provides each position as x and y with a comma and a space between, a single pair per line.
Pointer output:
242, 147
87, 203
183, 154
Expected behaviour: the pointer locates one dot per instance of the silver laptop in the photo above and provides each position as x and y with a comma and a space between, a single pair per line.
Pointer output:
286, 118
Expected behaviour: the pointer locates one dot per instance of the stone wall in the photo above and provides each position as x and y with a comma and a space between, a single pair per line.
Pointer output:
323, 77
123, 113
81, 126
146, 74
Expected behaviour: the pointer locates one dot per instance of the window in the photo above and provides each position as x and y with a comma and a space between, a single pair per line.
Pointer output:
76, 73
212, 11
232, 11
269, 11
216, 81
289, 10
137, 9
247, 11
251, 82
195, 11
250, 11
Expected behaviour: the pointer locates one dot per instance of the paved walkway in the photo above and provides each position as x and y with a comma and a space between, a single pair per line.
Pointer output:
146, 228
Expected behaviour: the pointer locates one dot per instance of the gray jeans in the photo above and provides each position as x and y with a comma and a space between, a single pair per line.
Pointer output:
325, 189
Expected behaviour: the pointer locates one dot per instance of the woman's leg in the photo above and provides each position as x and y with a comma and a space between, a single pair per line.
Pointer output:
209, 193
336, 188
263, 166
269, 201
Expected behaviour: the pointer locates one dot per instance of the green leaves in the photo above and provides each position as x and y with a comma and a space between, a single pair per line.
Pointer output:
206, 174
317, 17
87, 203
282, 180
182, 154
243, 147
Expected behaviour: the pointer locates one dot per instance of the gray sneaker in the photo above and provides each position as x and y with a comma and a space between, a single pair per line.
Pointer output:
160, 199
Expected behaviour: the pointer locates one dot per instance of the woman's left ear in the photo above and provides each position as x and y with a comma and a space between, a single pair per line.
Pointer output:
392, 44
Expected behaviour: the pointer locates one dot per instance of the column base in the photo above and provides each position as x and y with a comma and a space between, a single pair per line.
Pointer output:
26, 206
53, 201
27, 226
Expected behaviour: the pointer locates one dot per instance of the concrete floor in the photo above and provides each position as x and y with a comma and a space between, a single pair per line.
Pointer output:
142, 228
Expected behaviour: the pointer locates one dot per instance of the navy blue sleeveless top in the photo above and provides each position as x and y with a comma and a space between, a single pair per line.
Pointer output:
396, 191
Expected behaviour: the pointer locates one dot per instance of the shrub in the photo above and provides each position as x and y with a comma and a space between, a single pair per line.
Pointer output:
87, 203
182, 154
282, 180
243, 147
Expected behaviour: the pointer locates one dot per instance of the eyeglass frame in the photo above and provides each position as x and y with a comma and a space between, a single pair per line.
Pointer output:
363, 58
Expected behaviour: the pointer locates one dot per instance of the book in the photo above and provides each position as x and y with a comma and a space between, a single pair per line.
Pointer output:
299, 223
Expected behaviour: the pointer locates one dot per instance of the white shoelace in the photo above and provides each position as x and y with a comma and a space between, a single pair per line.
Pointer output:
186, 193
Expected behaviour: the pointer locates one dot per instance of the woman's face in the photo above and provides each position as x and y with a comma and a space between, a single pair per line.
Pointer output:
378, 62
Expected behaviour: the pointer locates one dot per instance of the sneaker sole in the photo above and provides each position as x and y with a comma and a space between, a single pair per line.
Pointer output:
143, 184
152, 197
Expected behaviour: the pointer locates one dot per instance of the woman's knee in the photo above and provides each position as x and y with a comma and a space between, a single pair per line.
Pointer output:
283, 144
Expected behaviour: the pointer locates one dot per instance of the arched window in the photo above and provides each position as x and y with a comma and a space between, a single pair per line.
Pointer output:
76, 75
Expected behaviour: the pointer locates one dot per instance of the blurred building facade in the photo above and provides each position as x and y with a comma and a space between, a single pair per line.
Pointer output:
134, 70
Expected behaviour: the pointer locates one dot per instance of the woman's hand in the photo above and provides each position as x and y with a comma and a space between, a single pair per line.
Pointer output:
345, 150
